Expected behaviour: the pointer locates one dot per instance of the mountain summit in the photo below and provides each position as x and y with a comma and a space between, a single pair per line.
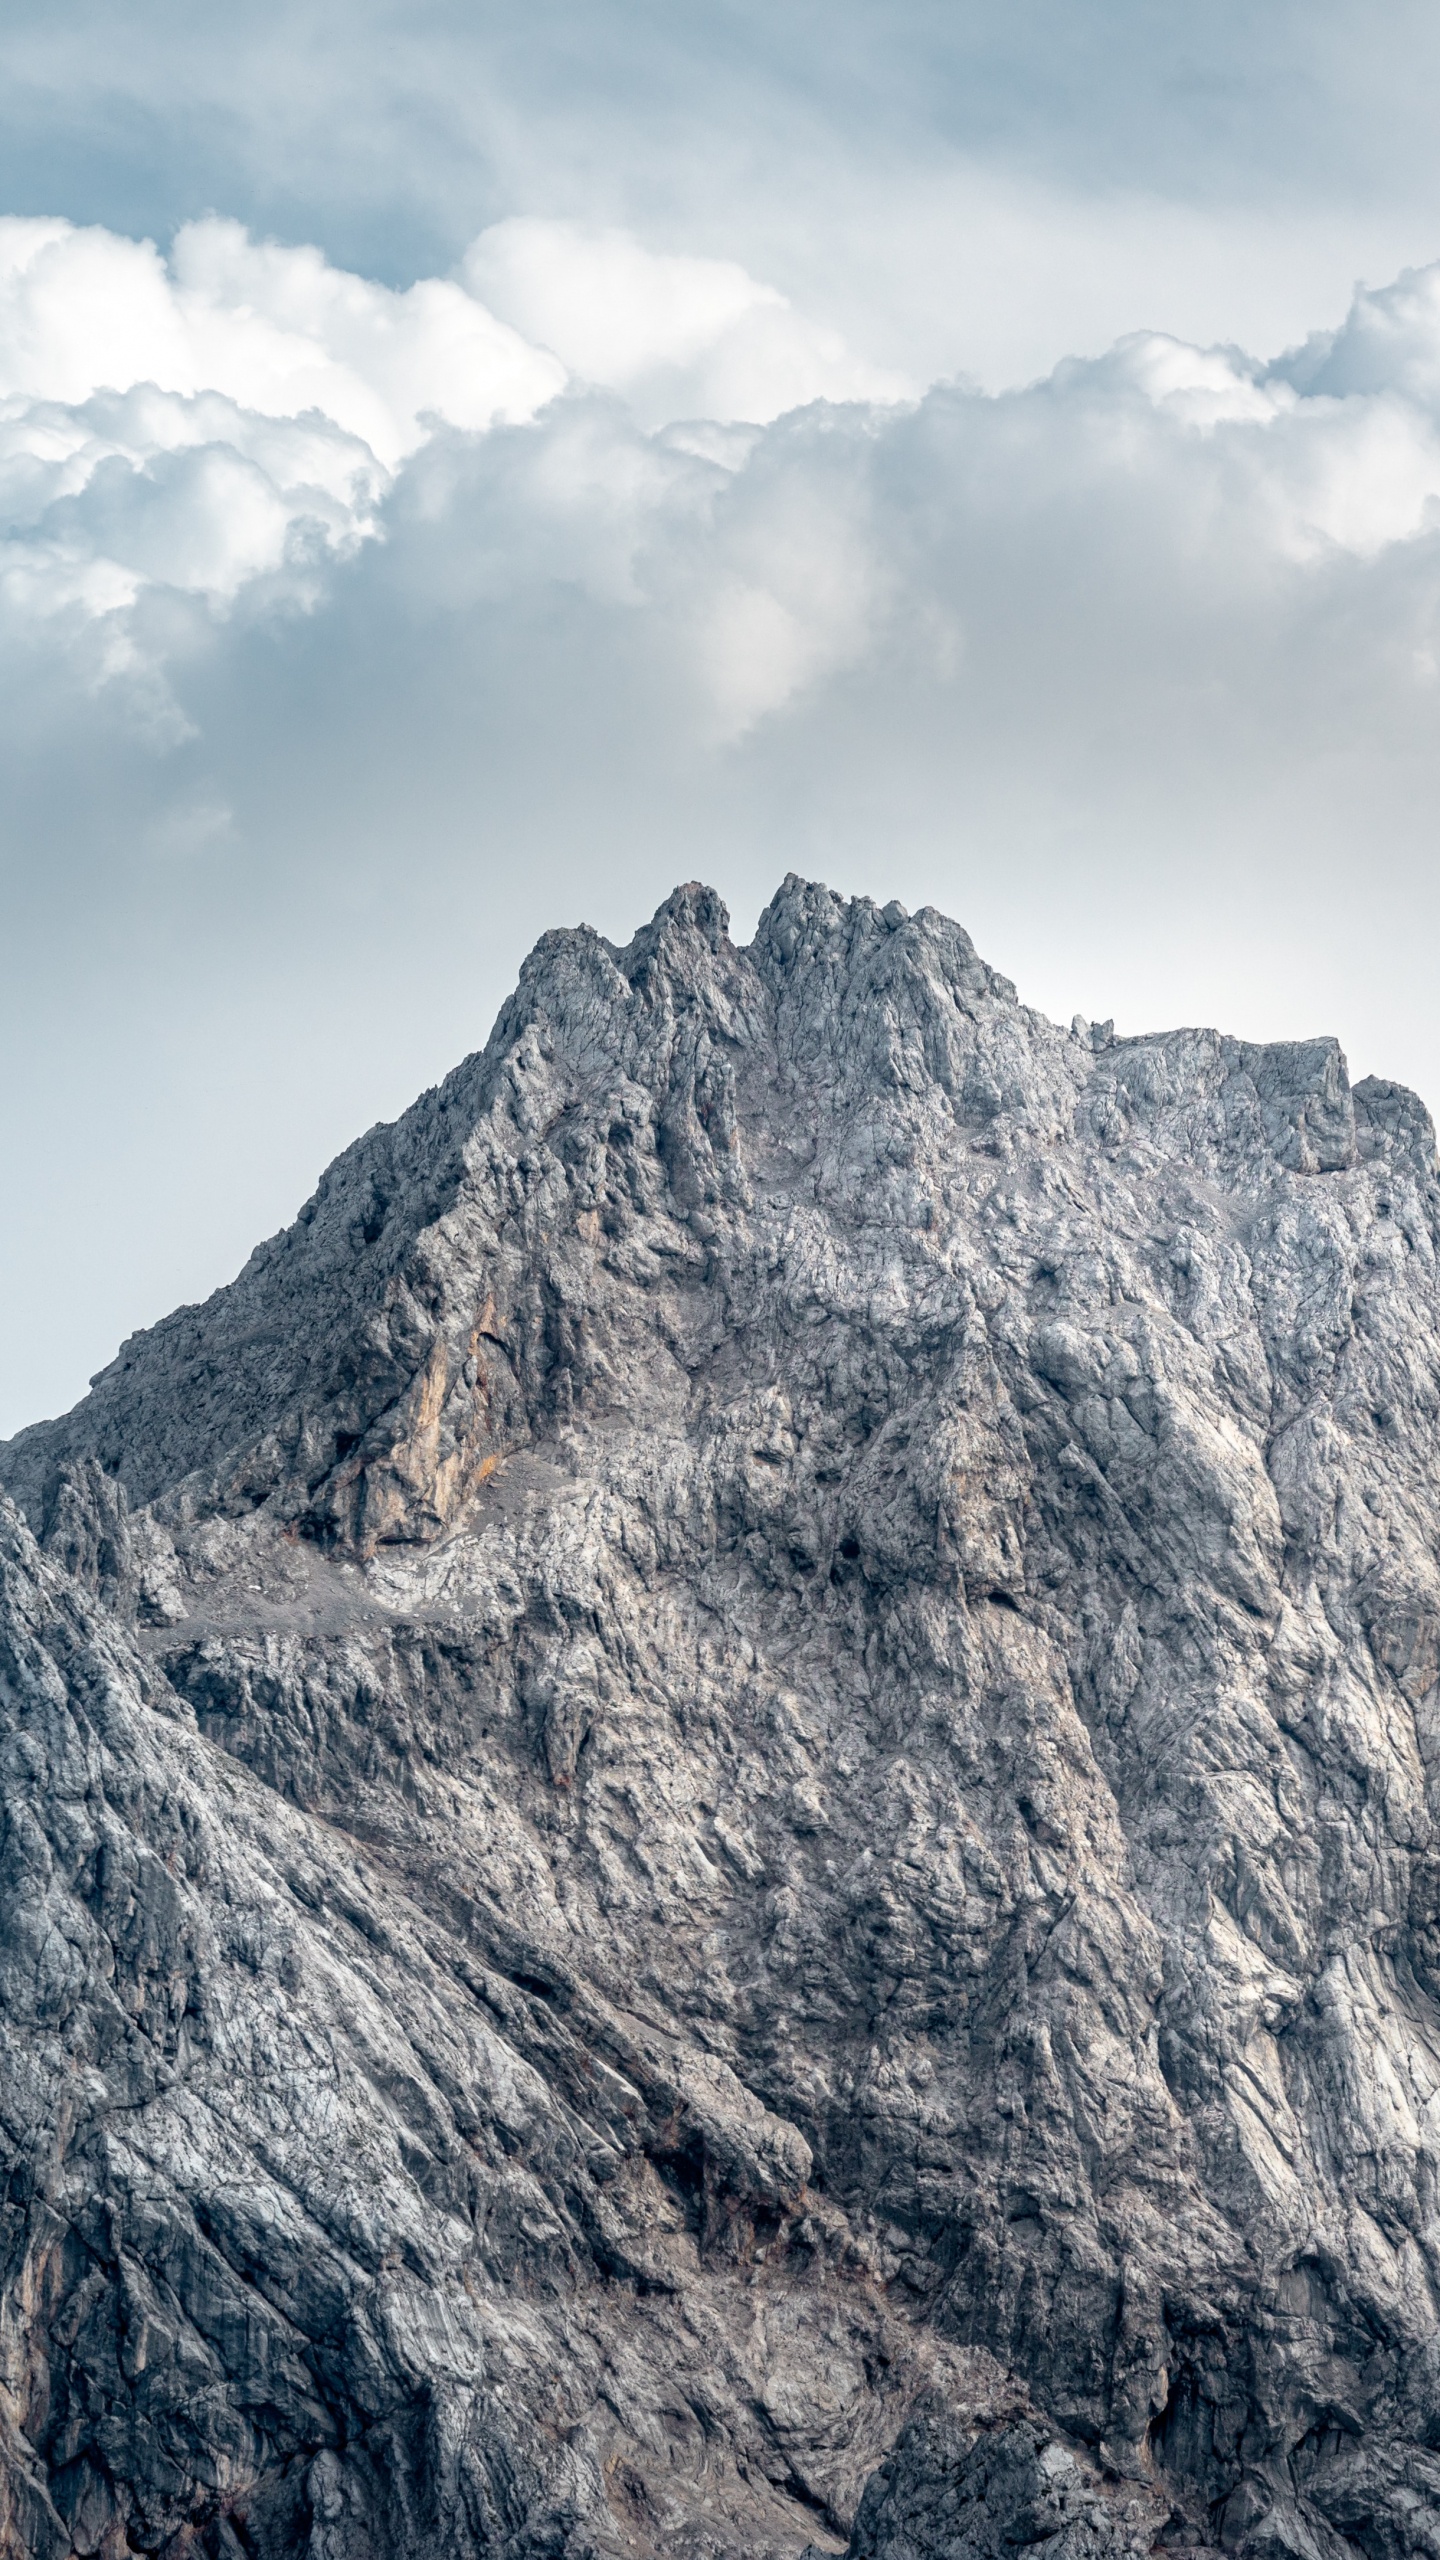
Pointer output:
721, 1806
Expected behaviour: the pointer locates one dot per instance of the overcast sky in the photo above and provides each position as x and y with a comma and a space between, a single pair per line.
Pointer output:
463, 469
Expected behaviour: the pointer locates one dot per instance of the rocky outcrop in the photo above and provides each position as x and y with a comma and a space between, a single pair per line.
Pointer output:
747, 1745
952, 2492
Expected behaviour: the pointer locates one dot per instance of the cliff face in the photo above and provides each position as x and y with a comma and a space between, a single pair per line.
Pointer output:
738, 1766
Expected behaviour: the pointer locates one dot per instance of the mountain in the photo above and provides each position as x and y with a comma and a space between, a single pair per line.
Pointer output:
720, 1807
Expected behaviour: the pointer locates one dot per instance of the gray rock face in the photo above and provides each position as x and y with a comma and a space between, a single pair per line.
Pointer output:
950, 2493
746, 1745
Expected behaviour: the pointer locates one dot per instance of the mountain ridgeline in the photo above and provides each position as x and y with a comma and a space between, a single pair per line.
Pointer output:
722, 1808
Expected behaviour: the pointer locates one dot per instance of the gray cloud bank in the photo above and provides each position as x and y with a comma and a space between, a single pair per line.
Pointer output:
954, 184
351, 635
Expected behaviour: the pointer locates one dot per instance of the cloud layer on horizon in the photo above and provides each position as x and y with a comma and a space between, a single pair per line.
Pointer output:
224, 430
969, 187
236, 415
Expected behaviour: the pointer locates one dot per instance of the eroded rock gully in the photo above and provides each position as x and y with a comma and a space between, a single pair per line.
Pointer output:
728, 1788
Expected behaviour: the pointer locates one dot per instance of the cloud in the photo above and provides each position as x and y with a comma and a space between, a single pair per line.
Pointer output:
679, 337
225, 422
217, 423
1188, 496
239, 415
276, 330
224, 430
980, 189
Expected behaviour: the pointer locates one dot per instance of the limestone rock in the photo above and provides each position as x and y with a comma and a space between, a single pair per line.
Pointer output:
948, 2493
743, 1750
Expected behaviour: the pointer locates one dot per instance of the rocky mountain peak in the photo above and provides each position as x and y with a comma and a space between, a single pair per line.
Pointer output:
729, 1784
357, 1376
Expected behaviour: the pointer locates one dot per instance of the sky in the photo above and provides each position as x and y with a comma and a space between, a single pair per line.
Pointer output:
464, 469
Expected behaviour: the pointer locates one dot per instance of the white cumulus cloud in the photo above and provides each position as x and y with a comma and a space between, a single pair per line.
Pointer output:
230, 415
679, 337
235, 415
275, 329
667, 438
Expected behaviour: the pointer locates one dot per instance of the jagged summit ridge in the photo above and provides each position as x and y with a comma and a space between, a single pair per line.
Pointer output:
348, 1319
859, 1572
341, 1309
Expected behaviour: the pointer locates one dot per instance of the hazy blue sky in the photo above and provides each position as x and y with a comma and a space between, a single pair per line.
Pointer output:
463, 470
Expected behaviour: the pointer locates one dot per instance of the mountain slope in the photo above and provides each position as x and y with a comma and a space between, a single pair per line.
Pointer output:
857, 1574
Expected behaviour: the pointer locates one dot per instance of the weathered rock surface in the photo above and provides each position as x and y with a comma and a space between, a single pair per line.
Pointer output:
748, 1743
951, 2492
